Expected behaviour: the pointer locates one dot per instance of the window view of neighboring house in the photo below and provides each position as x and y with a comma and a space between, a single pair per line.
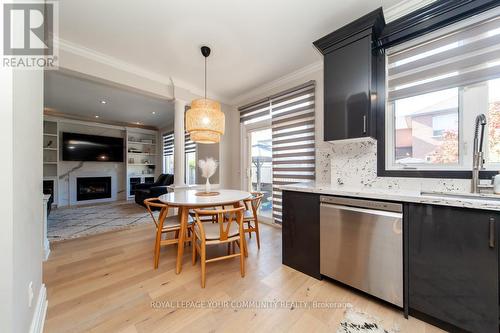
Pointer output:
426, 128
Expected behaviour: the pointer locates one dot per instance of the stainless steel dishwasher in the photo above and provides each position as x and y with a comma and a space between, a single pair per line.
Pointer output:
361, 245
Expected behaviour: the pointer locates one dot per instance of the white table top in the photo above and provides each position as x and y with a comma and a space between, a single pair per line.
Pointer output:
182, 197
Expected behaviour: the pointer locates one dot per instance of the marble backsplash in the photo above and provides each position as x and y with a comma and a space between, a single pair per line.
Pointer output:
355, 165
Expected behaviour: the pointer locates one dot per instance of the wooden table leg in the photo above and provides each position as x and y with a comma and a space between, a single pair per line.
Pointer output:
184, 213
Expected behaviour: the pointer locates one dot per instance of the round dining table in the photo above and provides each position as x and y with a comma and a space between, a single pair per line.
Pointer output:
186, 199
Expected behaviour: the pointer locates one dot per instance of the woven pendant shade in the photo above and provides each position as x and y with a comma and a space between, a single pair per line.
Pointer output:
205, 121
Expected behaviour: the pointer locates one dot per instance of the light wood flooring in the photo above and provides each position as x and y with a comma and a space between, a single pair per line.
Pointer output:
106, 283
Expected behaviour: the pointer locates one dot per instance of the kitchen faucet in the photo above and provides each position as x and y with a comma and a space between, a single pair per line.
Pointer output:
477, 158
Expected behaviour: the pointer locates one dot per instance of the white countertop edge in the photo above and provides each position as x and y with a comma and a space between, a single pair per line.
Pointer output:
393, 195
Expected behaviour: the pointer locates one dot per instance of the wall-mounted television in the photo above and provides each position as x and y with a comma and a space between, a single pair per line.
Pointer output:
84, 147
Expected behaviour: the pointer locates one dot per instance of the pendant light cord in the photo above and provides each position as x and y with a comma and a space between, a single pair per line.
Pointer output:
205, 77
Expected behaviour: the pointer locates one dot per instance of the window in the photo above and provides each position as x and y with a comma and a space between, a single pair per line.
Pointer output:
190, 160
261, 165
437, 85
168, 153
426, 128
292, 138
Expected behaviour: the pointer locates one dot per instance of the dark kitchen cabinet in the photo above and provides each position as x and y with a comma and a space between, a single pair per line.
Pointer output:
453, 267
300, 232
351, 67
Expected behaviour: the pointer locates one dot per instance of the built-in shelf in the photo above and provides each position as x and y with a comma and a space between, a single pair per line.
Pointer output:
137, 171
50, 154
143, 154
142, 143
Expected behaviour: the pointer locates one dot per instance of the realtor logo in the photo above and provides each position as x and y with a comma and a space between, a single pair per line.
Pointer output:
28, 34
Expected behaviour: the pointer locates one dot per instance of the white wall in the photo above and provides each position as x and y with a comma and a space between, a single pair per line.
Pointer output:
230, 150
6, 202
21, 227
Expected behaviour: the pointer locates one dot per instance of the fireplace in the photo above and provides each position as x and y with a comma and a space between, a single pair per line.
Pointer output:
92, 188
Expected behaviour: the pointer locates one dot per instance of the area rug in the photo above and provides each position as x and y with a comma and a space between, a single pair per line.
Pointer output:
359, 322
73, 222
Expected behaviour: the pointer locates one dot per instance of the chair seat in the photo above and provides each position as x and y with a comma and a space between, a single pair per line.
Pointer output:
173, 221
212, 231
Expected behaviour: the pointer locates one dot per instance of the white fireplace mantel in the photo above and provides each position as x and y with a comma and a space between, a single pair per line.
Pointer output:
72, 187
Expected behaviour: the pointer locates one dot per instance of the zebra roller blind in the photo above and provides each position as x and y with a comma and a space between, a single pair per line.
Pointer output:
255, 112
293, 140
189, 146
461, 54
168, 144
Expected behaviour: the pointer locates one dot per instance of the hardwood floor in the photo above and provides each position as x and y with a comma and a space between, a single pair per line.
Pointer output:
106, 283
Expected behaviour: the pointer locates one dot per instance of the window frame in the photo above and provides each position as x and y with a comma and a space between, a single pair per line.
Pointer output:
385, 148
186, 167
432, 17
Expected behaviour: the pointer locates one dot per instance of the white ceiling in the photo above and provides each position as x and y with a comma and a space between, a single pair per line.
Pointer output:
81, 97
253, 42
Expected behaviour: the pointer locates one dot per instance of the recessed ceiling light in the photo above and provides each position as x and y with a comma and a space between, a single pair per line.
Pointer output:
97, 116
103, 101
153, 112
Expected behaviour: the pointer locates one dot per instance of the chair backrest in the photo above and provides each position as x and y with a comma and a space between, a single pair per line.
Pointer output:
161, 180
225, 218
254, 202
155, 202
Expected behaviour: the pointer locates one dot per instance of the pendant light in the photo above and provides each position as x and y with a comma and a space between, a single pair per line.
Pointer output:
205, 120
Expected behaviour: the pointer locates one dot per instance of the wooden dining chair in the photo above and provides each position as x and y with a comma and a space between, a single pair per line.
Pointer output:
228, 229
204, 218
164, 225
250, 216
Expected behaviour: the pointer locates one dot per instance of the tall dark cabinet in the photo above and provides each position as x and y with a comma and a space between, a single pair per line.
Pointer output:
453, 267
300, 233
351, 66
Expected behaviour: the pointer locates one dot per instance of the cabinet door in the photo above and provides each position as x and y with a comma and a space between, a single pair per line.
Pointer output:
347, 79
300, 232
453, 266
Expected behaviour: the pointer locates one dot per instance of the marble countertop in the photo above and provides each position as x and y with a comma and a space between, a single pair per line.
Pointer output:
483, 201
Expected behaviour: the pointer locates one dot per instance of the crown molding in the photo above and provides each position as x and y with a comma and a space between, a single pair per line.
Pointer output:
277, 83
52, 113
116, 63
402, 8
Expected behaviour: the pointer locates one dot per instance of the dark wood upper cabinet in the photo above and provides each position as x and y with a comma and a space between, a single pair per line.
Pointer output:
351, 66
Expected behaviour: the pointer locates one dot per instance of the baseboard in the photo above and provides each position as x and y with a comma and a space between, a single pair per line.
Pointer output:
46, 253
40, 311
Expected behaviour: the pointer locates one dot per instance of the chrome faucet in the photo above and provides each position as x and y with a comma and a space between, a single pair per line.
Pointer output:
478, 158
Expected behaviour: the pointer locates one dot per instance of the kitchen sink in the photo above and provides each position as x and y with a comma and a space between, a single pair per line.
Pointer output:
477, 196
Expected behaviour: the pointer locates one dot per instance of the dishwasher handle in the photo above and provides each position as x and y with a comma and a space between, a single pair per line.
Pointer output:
363, 210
